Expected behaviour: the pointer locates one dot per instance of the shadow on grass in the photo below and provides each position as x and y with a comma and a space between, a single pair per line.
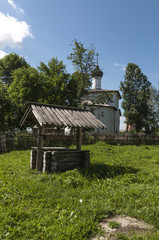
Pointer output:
102, 171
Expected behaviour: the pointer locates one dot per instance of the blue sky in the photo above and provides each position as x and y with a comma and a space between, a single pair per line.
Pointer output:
122, 31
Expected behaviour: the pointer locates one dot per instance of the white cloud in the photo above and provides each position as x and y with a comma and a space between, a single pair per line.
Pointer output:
11, 2
12, 31
122, 66
2, 54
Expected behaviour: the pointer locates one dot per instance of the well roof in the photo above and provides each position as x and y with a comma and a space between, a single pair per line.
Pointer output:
59, 116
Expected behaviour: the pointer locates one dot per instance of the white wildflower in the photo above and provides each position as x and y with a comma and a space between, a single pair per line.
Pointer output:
71, 214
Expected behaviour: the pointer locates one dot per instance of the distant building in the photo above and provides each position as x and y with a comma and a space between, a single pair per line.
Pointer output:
108, 113
129, 127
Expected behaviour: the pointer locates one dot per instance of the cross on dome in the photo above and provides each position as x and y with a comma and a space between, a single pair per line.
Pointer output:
97, 72
97, 54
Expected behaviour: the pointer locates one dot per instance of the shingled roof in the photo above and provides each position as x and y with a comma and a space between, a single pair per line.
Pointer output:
59, 116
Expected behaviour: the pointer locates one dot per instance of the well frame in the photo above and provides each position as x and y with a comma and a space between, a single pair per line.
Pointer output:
46, 115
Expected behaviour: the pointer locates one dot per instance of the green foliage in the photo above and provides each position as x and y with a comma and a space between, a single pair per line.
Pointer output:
104, 98
78, 87
10, 63
154, 104
136, 94
69, 205
83, 62
82, 58
5, 107
50, 83
121, 236
55, 80
26, 86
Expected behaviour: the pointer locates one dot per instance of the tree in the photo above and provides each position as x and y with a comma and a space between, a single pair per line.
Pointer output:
77, 88
55, 80
10, 63
5, 107
82, 58
136, 96
26, 86
154, 105
83, 62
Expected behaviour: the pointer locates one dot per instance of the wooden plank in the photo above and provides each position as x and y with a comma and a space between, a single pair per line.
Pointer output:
68, 116
55, 120
71, 118
39, 119
41, 112
67, 161
68, 158
50, 119
68, 153
76, 120
91, 119
94, 120
26, 114
87, 120
46, 115
83, 119
59, 119
79, 138
62, 117
54, 106
38, 112
40, 149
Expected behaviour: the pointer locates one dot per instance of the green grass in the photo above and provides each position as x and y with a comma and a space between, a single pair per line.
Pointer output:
60, 206
114, 224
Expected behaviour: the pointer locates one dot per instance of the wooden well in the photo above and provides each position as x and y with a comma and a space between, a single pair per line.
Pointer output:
47, 115
60, 159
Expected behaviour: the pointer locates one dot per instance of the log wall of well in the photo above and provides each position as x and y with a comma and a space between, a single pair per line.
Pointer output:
60, 159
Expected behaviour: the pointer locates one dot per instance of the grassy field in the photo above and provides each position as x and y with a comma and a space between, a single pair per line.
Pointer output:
121, 180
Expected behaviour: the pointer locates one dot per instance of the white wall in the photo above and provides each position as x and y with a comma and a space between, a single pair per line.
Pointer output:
107, 116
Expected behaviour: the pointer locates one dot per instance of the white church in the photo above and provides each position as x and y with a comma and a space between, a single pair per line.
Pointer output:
108, 113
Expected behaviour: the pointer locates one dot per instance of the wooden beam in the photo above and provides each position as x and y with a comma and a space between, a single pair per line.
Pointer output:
28, 103
39, 159
27, 112
79, 138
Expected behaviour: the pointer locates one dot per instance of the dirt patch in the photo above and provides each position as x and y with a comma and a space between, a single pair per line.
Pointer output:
123, 225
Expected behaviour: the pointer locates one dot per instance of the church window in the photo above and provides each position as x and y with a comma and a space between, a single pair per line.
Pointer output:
102, 114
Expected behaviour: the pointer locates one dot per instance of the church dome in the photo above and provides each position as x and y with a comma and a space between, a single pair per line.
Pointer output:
97, 72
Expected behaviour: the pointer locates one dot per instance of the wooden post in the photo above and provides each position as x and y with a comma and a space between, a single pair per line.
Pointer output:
79, 138
39, 148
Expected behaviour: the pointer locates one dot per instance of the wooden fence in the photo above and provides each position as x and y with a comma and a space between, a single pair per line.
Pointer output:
129, 139
22, 141
12, 141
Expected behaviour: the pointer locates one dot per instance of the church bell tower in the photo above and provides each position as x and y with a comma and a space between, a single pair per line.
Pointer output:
96, 76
